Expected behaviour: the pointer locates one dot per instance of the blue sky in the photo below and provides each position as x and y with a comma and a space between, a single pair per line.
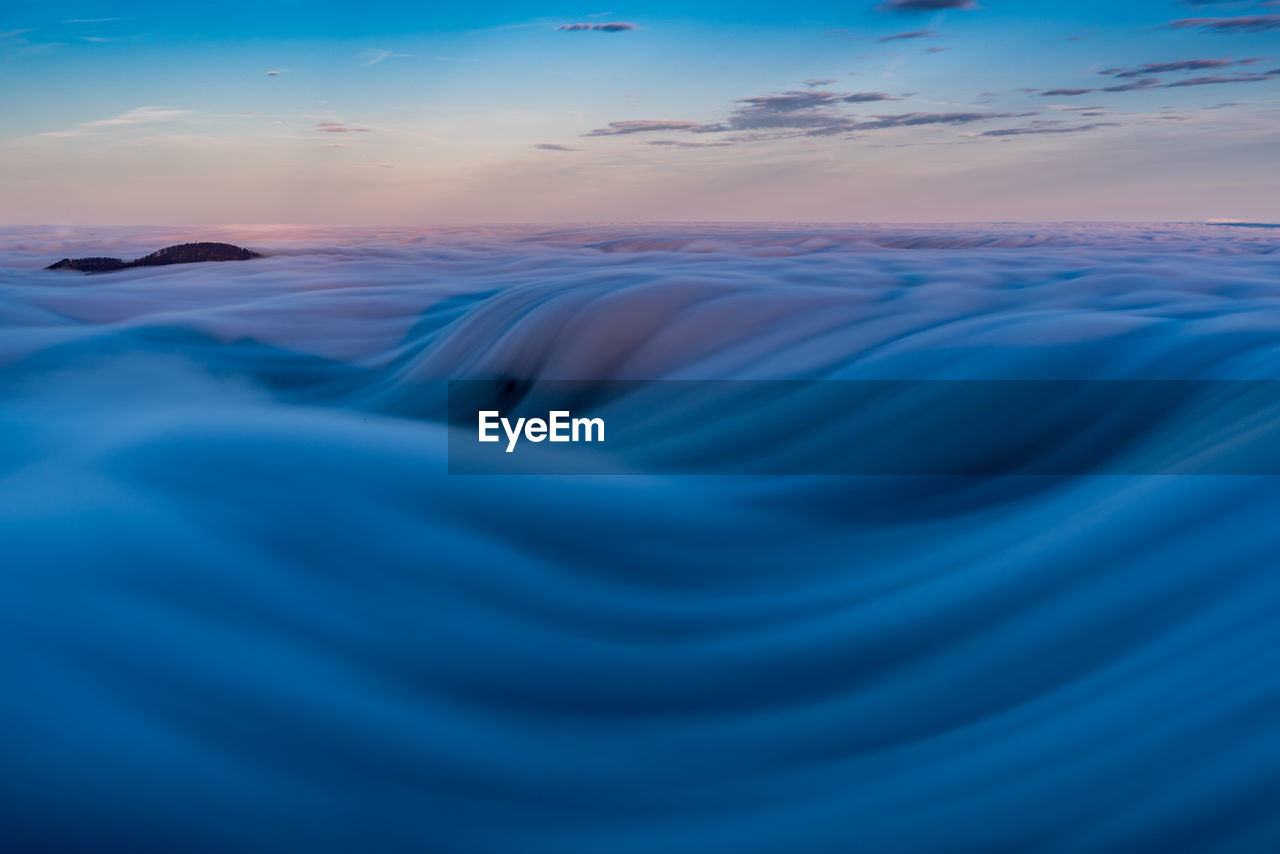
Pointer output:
395, 112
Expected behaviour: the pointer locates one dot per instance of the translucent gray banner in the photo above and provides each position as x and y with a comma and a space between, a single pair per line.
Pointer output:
865, 427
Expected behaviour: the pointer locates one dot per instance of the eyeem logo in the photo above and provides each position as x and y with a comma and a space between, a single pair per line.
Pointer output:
559, 426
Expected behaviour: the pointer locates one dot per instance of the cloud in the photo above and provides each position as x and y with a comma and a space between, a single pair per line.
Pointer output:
129, 118
335, 145
797, 113
273, 73
551, 146
926, 5
801, 100
1069, 92
936, 49
913, 34
1047, 127
809, 122
867, 97
380, 55
141, 115
339, 127
812, 112
1149, 68
1242, 24
915, 119
815, 83
1144, 83
643, 126
1226, 78
672, 143
611, 27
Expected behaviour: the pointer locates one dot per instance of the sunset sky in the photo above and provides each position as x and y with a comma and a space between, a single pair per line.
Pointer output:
386, 112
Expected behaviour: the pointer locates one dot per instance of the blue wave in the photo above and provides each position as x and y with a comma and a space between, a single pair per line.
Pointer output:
243, 607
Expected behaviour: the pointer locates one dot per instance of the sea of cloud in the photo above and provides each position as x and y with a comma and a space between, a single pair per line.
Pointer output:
244, 607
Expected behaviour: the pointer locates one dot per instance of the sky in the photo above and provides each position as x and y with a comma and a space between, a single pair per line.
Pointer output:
862, 110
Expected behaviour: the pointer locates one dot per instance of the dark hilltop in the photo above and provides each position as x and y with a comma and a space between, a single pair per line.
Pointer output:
183, 253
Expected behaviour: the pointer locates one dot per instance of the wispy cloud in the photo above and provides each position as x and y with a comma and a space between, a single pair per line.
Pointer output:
643, 126
1226, 78
611, 27
130, 118
1047, 127
926, 5
550, 146
1149, 68
810, 112
798, 113
1241, 24
1144, 83
912, 34
339, 127
916, 119
1068, 92
675, 143
798, 99
380, 55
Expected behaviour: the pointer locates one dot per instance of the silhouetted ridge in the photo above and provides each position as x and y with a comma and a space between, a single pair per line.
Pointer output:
183, 253
89, 265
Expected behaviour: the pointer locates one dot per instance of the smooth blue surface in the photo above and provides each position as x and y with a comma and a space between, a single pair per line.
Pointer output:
244, 608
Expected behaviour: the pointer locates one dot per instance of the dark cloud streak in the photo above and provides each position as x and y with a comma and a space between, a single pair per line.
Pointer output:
1144, 83
644, 126
916, 119
1242, 24
811, 112
801, 100
1149, 68
1046, 128
612, 27
913, 34
909, 6
673, 143
1225, 78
